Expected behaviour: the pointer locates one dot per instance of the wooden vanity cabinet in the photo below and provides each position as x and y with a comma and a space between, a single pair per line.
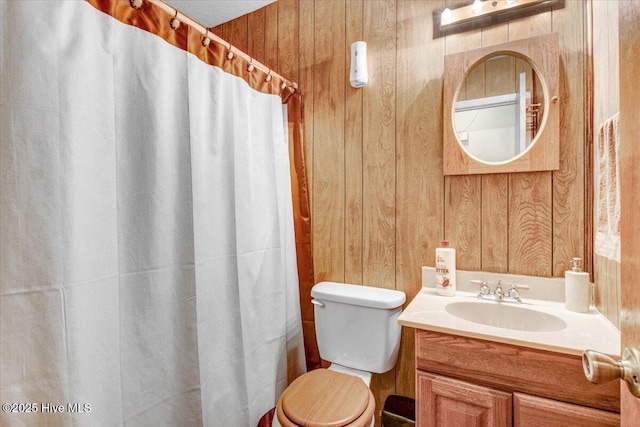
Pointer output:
533, 411
464, 381
444, 401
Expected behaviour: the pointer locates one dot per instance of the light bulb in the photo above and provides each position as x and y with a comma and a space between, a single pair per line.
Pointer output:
477, 6
446, 15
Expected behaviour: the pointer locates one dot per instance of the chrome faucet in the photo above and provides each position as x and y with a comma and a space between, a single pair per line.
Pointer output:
499, 294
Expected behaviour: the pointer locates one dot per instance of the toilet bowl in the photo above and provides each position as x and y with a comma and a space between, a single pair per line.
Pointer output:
357, 330
347, 401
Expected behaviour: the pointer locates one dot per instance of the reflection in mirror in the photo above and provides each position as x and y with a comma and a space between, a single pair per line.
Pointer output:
499, 108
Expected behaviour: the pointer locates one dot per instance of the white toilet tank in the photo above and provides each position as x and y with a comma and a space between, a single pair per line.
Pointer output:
357, 326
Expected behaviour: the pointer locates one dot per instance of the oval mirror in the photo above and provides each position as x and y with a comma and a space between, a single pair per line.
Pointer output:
499, 107
502, 108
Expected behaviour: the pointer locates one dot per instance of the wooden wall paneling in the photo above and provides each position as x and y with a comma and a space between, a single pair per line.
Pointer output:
271, 36
328, 209
462, 195
530, 26
218, 31
569, 181
521, 260
495, 34
494, 249
530, 223
379, 154
306, 69
235, 32
379, 144
255, 35
354, 243
288, 38
463, 208
419, 162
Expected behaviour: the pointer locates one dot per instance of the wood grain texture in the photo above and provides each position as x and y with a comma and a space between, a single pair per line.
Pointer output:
419, 162
288, 38
379, 144
531, 26
353, 153
446, 402
543, 155
530, 223
629, 17
255, 35
569, 181
271, 35
495, 34
324, 398
404, 211
495, 225
537, 372
306, 73
328, 210
533, 411
236, 30
379, 160
462, 200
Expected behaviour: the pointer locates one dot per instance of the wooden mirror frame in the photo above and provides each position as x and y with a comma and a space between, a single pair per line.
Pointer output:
544, 152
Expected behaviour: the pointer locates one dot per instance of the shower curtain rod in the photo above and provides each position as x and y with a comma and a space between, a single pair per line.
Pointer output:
136, 4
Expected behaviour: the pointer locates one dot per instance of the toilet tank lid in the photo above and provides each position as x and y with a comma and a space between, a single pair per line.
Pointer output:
366, 296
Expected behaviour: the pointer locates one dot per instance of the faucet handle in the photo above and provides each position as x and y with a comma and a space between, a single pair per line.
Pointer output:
518, 287
484, 287
514, 291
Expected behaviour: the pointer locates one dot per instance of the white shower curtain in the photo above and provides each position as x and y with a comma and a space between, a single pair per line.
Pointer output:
147, 258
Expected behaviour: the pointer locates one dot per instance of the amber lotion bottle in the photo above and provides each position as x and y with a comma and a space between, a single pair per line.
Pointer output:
577, 288
445, 270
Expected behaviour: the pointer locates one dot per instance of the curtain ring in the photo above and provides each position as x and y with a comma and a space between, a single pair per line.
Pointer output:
250, 67
205, 38
229, 52
136, 4
175, 22
268, 78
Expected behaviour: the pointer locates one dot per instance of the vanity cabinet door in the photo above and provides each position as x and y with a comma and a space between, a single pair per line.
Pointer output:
446, 402
532, 411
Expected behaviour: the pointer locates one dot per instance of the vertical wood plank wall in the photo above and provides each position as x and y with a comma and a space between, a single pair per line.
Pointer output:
380, 205
606, 97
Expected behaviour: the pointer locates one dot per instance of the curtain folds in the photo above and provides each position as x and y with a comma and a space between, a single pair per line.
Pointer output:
148, 268
156, 21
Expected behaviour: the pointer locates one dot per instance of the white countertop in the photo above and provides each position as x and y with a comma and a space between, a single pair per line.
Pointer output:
583, 331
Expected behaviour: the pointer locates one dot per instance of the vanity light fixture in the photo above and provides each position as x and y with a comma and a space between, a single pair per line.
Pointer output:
477, 6
481, 13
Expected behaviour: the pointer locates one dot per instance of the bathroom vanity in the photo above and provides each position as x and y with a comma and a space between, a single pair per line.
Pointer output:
470, 371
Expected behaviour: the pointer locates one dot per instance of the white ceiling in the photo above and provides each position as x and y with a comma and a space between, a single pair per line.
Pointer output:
215, 12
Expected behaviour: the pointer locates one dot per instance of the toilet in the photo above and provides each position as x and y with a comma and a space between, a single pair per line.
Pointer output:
358, 332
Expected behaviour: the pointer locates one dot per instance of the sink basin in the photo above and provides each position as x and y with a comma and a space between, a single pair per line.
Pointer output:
501, 315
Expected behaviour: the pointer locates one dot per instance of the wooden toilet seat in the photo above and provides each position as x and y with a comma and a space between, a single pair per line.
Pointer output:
324, 398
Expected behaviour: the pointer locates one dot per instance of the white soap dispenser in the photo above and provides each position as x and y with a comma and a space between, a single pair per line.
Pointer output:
577, 288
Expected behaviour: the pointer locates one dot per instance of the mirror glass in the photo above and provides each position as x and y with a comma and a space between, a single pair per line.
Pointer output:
499, 108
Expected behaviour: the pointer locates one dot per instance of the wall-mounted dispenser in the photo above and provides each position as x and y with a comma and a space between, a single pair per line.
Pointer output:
359, 76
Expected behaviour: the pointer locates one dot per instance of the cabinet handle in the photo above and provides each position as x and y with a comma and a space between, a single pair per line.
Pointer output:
600, 368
